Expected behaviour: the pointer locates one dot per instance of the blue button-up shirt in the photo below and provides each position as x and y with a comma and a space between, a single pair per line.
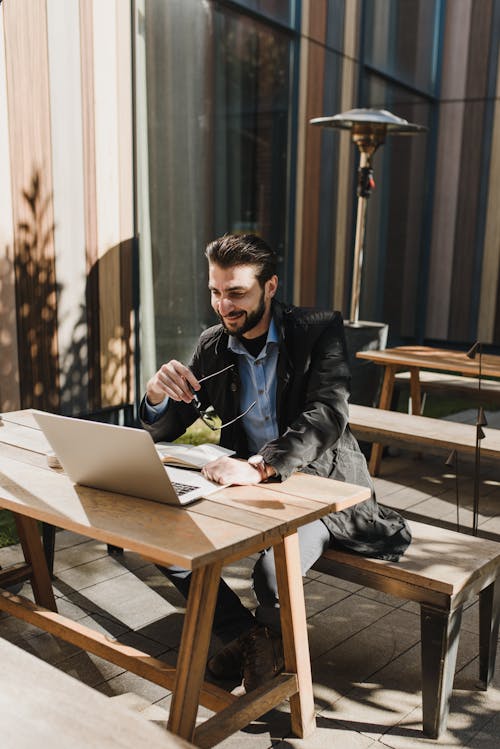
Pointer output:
258, 377
258, 383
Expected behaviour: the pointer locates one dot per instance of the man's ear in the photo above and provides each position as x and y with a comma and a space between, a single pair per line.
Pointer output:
272, 286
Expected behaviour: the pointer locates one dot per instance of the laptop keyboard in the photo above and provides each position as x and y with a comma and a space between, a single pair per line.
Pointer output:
182, 488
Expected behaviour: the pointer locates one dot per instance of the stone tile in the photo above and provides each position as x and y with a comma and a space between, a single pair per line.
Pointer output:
473, 718
74, 556
89, 574
367, 652
11, 555
329, 733
127, 682
384, 488
125, 599
492, 525
47, 647
17, 630
156, 581
64, 539
388, 696
377, 595
436, 507
319, 596
340, 621
336, 582
406, 498
166, 631
487, 737
89, 668
94, 670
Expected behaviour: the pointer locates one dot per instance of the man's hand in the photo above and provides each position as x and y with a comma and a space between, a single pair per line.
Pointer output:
172, 379
231, 471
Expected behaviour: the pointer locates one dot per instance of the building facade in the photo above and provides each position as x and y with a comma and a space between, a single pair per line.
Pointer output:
134, 131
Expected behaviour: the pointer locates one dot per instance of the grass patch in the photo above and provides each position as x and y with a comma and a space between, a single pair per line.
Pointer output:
8, 533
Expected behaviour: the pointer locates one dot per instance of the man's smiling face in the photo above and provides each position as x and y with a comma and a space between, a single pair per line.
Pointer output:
242, 305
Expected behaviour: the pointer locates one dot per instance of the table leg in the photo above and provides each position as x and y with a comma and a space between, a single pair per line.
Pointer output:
385, 403
416, 397
29, 537
193, 651
294, 629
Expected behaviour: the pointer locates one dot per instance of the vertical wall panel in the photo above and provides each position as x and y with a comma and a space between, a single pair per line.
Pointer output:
32, 195
126, 187
313, 107
303, 125
9, 369
108, 199
467, 249
90, 202
63, 34
490, 276
447, 176
346, 163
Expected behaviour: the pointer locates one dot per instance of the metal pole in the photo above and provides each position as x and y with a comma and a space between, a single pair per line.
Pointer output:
358, 259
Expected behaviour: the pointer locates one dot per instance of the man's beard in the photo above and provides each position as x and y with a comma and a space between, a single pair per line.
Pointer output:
252, 319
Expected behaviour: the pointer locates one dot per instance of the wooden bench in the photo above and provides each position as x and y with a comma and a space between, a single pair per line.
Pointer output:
441, 571
389, 427
453, 385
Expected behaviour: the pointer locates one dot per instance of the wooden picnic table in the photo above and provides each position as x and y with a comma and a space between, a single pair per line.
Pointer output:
203, 537
414, 359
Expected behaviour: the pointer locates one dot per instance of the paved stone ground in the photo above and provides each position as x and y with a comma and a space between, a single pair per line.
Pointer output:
364, 645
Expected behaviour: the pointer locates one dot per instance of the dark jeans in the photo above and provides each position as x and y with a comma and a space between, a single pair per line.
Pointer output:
231, 618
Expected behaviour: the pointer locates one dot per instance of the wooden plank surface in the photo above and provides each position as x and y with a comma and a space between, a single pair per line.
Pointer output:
427, 357
167, 534
24, 436
437, 559
374, 424
48, 708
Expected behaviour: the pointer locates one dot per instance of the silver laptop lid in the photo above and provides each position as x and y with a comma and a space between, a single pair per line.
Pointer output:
116, 458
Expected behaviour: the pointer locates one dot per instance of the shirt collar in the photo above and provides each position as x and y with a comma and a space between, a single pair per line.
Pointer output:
235, 345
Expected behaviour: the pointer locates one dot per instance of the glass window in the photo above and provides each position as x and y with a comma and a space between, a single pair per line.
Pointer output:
251, 121
213, 103
401, 39
279, 10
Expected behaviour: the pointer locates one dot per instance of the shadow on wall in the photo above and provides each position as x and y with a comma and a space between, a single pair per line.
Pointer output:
36, 301
81, 363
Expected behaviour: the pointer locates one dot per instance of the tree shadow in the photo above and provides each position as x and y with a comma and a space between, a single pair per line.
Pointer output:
58, 354
36, 301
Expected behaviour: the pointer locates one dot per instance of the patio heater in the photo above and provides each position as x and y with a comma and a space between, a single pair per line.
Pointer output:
369, 128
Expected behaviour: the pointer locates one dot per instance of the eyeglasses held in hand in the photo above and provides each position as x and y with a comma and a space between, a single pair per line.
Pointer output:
208, 415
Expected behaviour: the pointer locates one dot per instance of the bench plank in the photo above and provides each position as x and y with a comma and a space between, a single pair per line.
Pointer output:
379, 425
452, 384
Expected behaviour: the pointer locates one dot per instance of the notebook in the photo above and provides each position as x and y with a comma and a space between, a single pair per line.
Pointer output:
119, 459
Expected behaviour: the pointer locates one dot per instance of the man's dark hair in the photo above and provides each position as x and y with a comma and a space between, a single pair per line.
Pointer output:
244, 249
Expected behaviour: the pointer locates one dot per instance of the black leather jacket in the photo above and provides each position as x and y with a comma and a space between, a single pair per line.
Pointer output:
312, 411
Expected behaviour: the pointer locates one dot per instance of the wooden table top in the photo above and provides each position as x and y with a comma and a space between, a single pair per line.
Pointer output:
232, 523
427, 357
43, 706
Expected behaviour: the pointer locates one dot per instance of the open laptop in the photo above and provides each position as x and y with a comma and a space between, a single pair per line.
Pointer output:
119, 459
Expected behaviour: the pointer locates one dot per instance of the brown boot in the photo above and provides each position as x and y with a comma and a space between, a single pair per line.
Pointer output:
262, 656
227, 663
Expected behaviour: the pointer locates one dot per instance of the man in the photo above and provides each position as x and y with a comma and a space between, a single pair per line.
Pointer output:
281, 393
